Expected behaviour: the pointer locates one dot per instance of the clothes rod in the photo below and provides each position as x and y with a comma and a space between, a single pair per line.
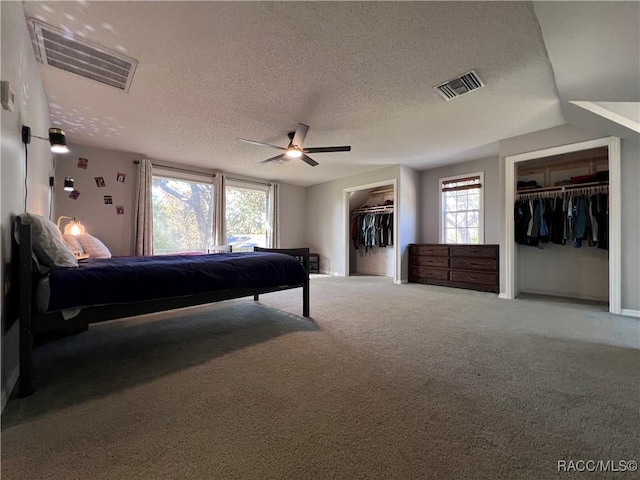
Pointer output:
564, 189
381, 209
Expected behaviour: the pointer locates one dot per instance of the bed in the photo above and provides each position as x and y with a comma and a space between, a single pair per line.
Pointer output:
107, 289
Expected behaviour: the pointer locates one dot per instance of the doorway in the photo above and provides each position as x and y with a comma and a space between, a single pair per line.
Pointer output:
378, 203
511, 286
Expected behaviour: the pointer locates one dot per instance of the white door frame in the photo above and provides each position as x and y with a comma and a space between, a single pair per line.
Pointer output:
615, 214
347, 223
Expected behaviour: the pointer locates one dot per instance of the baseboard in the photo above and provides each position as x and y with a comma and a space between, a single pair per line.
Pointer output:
11, 383
630, 313
504, 296
591, 298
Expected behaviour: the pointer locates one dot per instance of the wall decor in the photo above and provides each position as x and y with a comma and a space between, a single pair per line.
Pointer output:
74, 194
119, 209
120, 177
100, 181
83, 162
108, 200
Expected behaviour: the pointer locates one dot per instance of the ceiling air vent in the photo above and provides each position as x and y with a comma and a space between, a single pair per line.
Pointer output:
460, 85
61, 50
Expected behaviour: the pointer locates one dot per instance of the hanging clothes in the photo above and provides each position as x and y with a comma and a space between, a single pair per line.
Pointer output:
602, 219
579, 220
557, 221
370, 230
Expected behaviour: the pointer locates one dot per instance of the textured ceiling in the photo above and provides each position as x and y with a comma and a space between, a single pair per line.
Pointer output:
594, 48
359, 73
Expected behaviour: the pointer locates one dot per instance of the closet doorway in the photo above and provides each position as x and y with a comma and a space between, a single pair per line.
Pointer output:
371, 230
516, 259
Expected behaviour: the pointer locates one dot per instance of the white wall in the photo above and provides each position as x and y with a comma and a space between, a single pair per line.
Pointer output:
630, 153
326, 225
100, 220
408, 211
117, 231
293, 203
630, 166
564, 271
430, 198
19, 67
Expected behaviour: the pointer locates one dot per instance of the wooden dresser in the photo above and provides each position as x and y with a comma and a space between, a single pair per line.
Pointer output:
464, 266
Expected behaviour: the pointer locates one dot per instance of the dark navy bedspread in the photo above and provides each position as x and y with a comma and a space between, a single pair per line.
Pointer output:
135, 279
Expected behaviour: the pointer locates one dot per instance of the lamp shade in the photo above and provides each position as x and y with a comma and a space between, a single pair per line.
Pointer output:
58, 141
74, 228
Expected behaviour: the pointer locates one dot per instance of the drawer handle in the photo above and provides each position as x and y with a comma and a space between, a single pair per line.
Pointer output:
471, 278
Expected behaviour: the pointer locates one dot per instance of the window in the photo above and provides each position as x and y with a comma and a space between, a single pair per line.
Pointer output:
246, 215
462, 209
182, 212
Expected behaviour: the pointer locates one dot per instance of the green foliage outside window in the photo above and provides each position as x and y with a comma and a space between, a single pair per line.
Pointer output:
182, 215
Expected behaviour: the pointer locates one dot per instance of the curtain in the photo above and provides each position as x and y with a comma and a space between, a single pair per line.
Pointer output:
219, 186
144, 209
273, 216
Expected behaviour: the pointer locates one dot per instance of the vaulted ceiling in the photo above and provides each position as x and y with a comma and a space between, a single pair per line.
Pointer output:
359, 73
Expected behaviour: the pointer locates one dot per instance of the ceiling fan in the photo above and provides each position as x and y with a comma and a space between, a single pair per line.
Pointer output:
295, 148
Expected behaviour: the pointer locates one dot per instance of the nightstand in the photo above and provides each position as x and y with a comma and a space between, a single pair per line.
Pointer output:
314, 263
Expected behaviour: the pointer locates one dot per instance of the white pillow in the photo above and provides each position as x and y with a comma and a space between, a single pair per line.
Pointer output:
93, 247
73, 243
47, 243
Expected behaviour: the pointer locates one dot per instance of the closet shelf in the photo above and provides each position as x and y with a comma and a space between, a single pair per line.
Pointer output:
381, 191
378, 209
582, 188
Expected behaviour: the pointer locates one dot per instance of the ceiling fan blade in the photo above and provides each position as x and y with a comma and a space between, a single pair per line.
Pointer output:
300, 135
309, 160
346, 148
273, 159
253, 142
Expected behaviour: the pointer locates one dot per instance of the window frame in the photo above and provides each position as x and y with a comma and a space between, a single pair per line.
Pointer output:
247, 185
184, 175
442, 222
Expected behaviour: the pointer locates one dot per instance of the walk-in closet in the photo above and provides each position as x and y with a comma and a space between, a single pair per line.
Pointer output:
371, 231
561, 222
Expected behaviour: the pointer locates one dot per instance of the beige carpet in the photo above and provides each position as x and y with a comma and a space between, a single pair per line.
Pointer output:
387, 382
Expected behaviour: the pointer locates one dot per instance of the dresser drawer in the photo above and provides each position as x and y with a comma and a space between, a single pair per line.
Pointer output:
466, 263
481, 251
432, 250
425, 272
480, 278
425, 261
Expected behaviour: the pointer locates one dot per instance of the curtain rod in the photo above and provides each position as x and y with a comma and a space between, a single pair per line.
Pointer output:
242, 180
196, 172
177, 169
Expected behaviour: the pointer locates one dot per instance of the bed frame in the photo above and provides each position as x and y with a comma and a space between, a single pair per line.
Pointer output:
32, 322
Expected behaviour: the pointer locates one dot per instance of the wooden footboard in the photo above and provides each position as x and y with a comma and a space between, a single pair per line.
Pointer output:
32, 322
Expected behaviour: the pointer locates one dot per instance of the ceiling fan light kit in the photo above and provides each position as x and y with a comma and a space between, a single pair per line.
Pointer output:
295, 148
293, 153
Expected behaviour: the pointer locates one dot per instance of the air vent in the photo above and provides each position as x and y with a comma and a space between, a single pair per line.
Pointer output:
61, 50
460, 85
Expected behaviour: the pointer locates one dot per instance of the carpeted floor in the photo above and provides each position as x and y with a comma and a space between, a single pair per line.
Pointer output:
386, 382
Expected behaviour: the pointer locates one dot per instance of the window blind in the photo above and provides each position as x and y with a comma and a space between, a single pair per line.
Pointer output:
465, 183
